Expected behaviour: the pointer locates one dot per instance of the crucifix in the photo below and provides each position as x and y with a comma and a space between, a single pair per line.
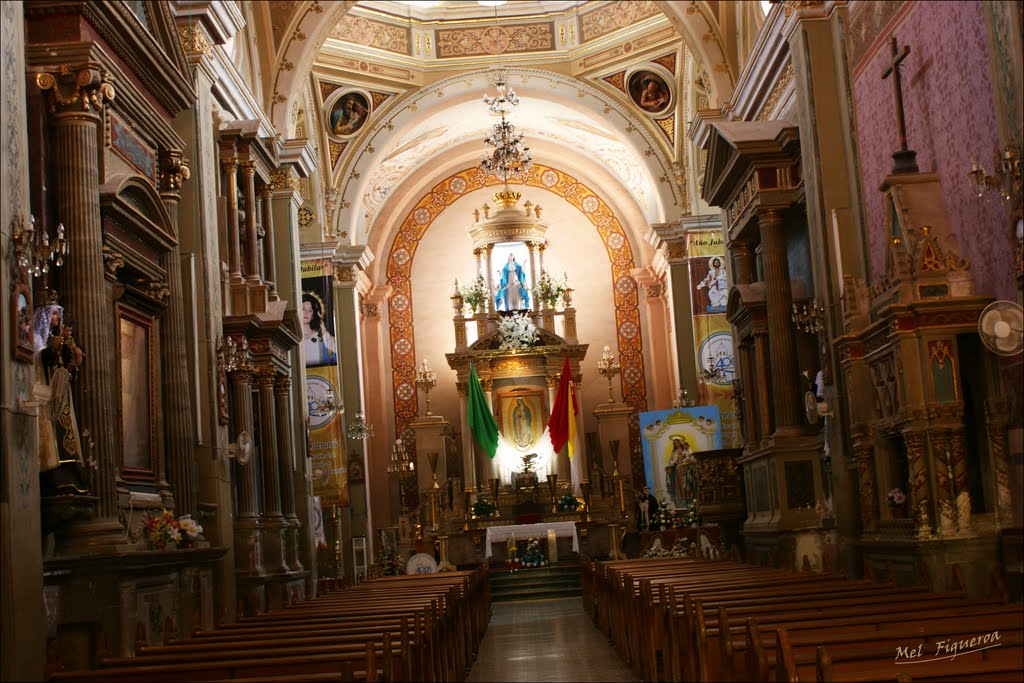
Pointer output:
906, 159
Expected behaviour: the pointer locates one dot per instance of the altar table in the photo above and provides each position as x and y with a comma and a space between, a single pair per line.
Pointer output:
524, 532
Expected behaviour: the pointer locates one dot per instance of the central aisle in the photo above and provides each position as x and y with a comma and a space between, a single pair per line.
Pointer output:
545, 640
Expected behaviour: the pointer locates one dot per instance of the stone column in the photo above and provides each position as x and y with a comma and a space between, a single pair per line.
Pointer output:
229, 163
181, 466
430, 439
660, 345
534, 273
917, 494
540, 255
76, 103
252, 270
996, 424
273, 522
468, 449
782, 341
864, 455
247, 531
488, 250
269, 264
682, 315
285, 459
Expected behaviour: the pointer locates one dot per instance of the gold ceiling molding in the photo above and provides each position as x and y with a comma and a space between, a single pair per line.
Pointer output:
775, 95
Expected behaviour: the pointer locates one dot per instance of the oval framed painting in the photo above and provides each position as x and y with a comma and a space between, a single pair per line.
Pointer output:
652, 90
348, 112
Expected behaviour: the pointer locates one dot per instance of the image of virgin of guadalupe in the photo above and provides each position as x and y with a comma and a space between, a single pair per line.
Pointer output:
522, 424
60, 448
318, 345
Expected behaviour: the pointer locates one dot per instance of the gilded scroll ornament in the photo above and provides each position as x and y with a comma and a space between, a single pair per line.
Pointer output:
86, 88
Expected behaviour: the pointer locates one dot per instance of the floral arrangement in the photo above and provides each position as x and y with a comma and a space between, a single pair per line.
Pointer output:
392, 564
568, 503
483, 508
475, 293
676, 519
512, 562
163, 530
517, 332
680, 549
549, 289
533, 557
896, 498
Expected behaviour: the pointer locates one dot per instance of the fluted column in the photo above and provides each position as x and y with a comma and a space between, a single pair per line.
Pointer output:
269, 265
488, 250
782, 341
534, 274
76, 103
229, 163
763, 384
252, 270
285, 458
177, 406
744, 263
748, 384
273, 544
241, 381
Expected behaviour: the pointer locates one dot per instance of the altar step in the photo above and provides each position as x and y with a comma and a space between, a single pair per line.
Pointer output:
561, 581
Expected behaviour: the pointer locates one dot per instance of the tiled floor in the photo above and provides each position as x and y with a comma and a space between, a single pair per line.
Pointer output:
546, 640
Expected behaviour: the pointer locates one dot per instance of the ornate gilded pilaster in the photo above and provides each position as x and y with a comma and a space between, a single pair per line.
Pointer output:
534, 273
782, 342
176, 403
961, 492
864, 453
252, 270
916, 442
229, 164
996, 424
269, 266
488, 250
942, 456
285, 458
77, 96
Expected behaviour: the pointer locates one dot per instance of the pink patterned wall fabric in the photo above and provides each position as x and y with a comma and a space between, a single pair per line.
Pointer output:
951, 119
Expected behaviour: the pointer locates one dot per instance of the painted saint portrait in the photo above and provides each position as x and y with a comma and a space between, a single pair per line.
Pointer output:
709, 285
650, 92
348, 114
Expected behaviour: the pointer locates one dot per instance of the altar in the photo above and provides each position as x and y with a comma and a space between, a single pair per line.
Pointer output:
525, 532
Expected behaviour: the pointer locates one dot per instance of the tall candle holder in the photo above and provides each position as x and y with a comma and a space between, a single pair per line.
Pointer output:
608, 366
553, 489
616, 477
426, 379
401, 467
494, 493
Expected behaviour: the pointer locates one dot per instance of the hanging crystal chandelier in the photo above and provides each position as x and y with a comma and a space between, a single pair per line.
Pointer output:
510, 157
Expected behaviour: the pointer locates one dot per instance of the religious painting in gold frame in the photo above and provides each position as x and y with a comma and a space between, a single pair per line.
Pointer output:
21, 309
521, 417
135, 354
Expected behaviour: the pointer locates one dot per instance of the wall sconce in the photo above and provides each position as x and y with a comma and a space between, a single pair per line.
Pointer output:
358, 429
1006, 178
33, 251
809, 317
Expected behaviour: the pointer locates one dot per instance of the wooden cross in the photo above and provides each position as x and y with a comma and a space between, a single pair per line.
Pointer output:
904, 157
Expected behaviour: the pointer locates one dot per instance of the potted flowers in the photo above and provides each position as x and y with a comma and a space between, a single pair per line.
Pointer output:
164, 530
475, 294
896, 499
533, 557
517, 332
568, 503
549, 289
483, 508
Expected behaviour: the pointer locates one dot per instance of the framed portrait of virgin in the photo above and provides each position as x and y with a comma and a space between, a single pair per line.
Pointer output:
21, 310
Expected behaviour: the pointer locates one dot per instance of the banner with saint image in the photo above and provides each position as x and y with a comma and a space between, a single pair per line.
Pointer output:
323, 385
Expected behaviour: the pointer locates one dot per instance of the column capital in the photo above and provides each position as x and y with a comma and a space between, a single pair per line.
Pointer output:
265, 375
283, 384
248, 168
243, 373
768, 215
284, 180
173, 170
76, 89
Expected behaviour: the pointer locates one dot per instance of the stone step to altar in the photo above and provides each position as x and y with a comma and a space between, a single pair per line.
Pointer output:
542, 583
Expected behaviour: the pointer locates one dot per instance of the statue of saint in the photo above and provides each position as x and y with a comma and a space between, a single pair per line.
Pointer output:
513, 295
681, 473
57, 358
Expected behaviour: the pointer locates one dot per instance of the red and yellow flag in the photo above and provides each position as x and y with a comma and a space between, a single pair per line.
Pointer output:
562, 423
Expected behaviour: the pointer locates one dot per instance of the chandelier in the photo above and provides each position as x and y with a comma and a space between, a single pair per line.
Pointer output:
510, 156
359, 428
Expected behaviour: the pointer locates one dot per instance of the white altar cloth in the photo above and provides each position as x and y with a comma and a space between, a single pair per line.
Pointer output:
524, 532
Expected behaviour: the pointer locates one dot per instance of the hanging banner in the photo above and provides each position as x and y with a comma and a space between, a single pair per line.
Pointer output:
712, 334
323, 385
670, 438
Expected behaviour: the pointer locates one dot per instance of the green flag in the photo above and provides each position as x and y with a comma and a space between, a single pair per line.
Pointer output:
481, 420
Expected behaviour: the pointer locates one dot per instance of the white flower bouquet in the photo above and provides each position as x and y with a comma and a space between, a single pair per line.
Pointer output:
475, 293
549, 289
517, 332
